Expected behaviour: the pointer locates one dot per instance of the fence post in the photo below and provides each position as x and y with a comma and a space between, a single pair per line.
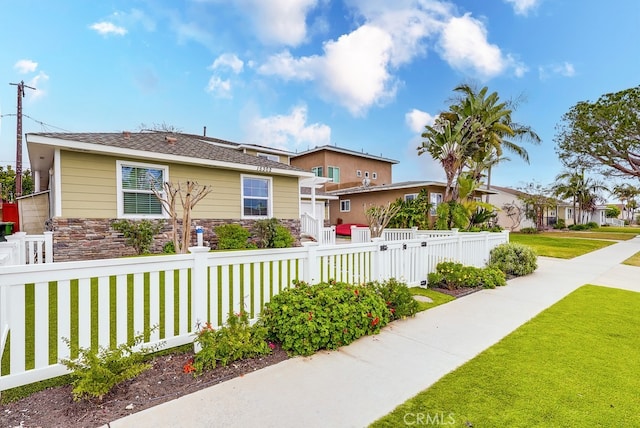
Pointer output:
486, 248
506, 232
458, 244
48, 247
311, 274
414, 232
377, 263
199, 285
19, 239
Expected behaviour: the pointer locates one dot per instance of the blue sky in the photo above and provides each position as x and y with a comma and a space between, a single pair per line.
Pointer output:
361, 74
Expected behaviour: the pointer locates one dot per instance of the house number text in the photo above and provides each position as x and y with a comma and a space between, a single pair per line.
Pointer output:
264, 169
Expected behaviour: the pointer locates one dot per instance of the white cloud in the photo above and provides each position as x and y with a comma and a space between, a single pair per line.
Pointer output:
417, 119
40, 83
105, 28
25, 66
522, 7
228, 60
285, 66
464, 45
565, 69
288, 131
219, 87
281, 22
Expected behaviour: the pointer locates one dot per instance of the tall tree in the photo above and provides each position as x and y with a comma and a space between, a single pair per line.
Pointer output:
8, 183
626, 193
603, 135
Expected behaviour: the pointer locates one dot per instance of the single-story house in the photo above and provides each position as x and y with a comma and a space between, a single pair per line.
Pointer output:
93, 179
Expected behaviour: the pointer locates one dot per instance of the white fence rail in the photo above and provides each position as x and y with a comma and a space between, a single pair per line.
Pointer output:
614, 222
106, 302
20, 249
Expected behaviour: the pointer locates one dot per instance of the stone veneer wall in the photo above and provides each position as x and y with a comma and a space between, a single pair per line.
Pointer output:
91, 239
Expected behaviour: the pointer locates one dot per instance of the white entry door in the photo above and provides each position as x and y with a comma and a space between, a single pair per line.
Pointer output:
306, 207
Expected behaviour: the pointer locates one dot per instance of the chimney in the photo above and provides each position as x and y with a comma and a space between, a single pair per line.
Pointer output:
204, 133
170, 140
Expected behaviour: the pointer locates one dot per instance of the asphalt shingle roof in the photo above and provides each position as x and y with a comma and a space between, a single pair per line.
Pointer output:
193, 146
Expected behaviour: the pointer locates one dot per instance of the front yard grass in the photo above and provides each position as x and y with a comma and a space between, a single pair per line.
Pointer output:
436, 297
575, 364
633, 260
556, 245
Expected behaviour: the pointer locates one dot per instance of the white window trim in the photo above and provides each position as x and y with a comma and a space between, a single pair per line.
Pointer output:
333, 178
433, 210
374, 175
415, 195
366, 174
315, 168
358, 173
269, 198
119, 191
346, 202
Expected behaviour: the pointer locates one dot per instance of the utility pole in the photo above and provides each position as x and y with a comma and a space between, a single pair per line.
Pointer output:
21, 87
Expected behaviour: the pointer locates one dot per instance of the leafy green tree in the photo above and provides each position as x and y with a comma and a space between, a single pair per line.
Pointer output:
8, 183
413, 212
612, 211
537, 201
603, 135
627, 195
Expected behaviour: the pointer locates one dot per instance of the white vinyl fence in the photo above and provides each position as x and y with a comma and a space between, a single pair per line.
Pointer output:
106, 302
20, 249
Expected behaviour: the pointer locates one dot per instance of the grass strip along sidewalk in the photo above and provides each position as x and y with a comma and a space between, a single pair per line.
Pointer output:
575, 364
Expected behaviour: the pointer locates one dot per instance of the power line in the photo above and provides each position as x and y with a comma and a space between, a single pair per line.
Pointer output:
45, 126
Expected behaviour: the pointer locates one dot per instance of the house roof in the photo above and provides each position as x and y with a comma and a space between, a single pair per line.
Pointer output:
345, 151
173, 147
394, 186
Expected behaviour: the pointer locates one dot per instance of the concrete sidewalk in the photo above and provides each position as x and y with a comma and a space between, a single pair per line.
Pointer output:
359, 383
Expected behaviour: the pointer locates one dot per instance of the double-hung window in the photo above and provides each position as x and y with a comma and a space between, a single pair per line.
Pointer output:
317, 170
345, 205
435, 199
136, 184
334, 174
256, 197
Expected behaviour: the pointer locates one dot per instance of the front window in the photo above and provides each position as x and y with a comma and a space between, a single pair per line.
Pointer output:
410, 197
256, 196
334, 174
317, 170
345, 205
435, 199
136, 185
271, 157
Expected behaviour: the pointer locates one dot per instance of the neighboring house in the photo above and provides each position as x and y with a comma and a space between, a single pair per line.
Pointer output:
353, 202
96, 178
511, 214
345, 168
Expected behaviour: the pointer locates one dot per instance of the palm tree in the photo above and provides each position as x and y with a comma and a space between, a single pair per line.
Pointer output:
626, 193
568, 185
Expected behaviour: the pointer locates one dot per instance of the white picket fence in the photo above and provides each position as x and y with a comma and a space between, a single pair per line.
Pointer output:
314, 228
106, 302
20, 249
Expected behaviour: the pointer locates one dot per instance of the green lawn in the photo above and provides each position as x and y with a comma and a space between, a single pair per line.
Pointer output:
557, 245
633, 260
596, 234
437, 297
574, 365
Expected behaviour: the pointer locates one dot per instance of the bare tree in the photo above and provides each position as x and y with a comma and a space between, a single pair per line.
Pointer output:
189, 197
515, 213
379, 216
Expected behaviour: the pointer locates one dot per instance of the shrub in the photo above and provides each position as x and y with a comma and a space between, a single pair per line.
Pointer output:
234, 341
592, 225
138, 234
269, 233
232, 237
96, 372
453, 275
169, 248
560, 224
514, 259
529, 230
397, 296
578, 227
305, 318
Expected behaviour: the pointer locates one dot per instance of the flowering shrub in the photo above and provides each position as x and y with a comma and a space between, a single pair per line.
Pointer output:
234, 341
306, 318
96, 372
397, 296
452, 275
514, 259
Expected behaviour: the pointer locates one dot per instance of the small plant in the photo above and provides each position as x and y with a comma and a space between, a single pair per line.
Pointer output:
529, 230
269, 233
560, 224
578, 227
234, 341
305, 318
514, 259
138, 234
232, 237
397, 296
169, 248
96, 372
453, 275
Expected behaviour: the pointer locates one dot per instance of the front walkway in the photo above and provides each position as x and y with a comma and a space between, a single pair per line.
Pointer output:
364, 381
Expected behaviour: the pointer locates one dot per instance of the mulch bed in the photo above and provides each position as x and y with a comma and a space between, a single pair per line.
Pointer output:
164, 381
459, 292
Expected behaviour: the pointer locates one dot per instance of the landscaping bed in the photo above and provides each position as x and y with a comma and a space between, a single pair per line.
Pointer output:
164, 381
